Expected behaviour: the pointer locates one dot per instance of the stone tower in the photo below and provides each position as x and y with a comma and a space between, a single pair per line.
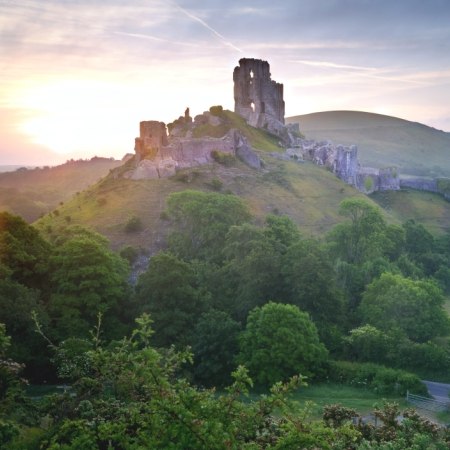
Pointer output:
257, 97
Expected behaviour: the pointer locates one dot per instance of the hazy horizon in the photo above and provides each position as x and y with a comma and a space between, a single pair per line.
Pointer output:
78, 77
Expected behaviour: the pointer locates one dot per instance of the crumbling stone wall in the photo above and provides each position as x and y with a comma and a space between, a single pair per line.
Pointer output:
152, 136
257, 97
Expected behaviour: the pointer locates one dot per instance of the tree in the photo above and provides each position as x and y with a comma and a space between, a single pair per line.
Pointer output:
413, 307
215, 346
367, 343
363, 237
87, 278
280, 341
23, 251
169, 291
17, 302
252, 270
309, 276
202, 221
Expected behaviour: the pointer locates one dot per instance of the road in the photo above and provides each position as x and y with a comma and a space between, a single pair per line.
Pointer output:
439, 391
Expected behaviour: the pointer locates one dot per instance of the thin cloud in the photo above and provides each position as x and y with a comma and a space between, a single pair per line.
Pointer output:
332, 65
156, 39
369, 72
208, 27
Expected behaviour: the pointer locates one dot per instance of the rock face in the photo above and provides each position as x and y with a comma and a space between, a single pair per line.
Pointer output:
258, 98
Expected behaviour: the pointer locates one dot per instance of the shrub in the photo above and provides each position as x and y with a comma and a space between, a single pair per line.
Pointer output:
368, 184
216, 184
129, 253
226, 159
216, 110
133, 224
375, 377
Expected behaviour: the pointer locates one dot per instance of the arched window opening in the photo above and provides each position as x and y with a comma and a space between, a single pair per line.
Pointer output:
251, 74
252, 105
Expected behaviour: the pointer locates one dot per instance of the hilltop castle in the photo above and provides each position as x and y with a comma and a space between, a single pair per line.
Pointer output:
162, 150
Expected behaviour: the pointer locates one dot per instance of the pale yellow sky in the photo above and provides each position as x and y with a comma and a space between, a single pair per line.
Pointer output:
77, 77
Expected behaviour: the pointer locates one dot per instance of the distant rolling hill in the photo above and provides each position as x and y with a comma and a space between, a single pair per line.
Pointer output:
382, 141
31, 193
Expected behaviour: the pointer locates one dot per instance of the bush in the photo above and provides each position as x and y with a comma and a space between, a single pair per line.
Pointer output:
216, 110
368, 184
129, 253
216, 184
134, 224
375, 377
226, 159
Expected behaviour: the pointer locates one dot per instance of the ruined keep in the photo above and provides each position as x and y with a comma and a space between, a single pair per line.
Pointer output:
257, 98
152, 136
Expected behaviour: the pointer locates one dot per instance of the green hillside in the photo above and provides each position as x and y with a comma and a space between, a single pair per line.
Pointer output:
382, 140
31, 193
309, 194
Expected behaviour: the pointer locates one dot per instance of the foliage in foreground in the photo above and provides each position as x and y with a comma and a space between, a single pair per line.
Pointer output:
130, 396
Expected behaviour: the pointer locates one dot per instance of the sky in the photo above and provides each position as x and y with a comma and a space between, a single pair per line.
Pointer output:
77, 76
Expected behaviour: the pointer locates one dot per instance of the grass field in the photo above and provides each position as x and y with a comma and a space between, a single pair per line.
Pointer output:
362, 400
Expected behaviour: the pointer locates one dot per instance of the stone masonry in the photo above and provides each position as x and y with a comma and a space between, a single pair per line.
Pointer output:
257, 98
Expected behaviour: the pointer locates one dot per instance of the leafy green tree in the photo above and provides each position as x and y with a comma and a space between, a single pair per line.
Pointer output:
413, 307
367, 343
24, 252
87, 278
280, 341
17, 302
281, 231
253, 272
170, 292
363, 236
417, 239
202, 221
215, 346
16, 411
310, 278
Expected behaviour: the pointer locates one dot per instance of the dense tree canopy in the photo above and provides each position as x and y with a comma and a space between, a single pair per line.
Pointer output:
215, 346
23, 251
280, 341
413, 307
202, 221
87, 278
169, 291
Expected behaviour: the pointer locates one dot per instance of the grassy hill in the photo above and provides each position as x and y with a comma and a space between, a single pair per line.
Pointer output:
382, 140
31, 193
309, 194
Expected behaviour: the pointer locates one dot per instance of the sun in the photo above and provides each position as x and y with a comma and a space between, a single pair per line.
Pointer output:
74, 116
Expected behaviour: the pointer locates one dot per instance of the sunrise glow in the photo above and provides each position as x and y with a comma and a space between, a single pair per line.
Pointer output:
77, 78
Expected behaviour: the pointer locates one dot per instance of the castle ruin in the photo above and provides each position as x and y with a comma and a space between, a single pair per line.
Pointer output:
258, 98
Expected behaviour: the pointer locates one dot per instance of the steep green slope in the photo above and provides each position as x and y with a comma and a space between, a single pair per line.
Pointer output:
382, 140
309, 194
